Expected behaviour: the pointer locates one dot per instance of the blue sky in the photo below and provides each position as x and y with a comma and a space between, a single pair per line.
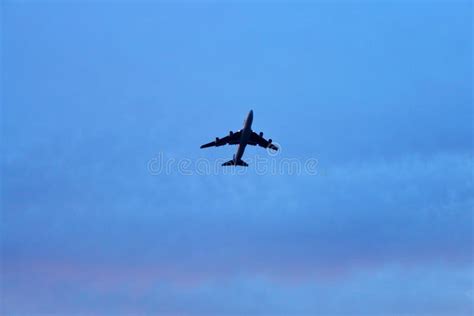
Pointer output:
379, 93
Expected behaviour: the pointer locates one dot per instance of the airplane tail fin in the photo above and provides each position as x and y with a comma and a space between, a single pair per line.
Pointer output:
233, 163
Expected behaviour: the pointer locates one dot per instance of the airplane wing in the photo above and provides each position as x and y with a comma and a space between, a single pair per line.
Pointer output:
231, 139
257, 139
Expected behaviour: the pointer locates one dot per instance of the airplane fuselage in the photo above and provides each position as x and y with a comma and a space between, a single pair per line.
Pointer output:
244, 138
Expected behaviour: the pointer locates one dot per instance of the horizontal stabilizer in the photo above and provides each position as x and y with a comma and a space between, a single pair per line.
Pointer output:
229, 163
232, 163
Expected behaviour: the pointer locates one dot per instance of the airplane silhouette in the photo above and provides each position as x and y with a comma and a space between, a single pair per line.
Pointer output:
243, 137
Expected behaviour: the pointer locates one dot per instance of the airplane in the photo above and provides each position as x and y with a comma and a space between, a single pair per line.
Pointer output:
243, 137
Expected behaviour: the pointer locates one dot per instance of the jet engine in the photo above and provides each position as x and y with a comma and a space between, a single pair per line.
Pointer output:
217, 139
261, 134
231, 133
270, 141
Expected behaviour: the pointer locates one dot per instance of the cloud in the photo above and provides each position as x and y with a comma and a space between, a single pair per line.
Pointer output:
84, 291
412, 211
